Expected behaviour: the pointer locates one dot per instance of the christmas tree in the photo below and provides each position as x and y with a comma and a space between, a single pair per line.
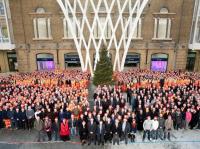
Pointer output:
104, 70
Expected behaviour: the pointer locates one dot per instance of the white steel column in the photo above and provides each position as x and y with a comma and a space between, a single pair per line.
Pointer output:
85, 5
64, 10
139, 12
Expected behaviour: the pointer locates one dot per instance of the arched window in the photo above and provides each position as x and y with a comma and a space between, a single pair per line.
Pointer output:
40, 10
45, 61
164, 10
42, 26
162, 25
159, 62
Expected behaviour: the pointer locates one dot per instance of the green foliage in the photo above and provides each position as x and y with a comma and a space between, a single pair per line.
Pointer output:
104, 70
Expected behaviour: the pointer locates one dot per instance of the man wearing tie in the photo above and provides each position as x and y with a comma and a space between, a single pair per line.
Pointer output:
98, 102
92, 131
125, 130
100, 132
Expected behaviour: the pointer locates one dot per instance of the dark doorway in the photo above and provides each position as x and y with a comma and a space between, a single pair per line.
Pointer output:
12, 61
72, 60
191, 61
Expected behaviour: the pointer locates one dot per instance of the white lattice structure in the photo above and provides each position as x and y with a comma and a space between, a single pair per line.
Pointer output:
119, 7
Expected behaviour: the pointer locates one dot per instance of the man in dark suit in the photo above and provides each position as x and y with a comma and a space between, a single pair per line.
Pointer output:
98, 102
125, 130
92, 131
116, 130
162, 82
108, 130
129, 94
100, 132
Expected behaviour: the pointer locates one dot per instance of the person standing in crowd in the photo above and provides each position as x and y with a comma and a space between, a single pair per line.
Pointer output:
155, 125
178, 119
1, 118
83, 132
72, 125
129, 94
10, 115
183, 122
30, 117
23, 118
64, 130
161, 127
116, 130
162, 82
140, 120
17, 118
169, 126
56, 128
133, 101
100, 132
188, 118
125, 130
198, 121
92, 127
147, 126
38, 125
48, 127
133, 130
194, 119
108, 130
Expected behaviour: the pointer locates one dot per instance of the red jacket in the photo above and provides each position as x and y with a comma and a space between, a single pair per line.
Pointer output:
188, 116
64, 129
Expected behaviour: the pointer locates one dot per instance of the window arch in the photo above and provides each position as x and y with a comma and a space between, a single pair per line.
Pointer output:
42, 25
40, 10
164, 10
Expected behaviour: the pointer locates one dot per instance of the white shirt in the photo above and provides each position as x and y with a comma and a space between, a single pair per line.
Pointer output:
123, 126
155, 125
36, 113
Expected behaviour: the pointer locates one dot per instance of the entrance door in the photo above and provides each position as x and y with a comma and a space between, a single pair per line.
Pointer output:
45, 61
12, 61
132, 60
159, 62
191, 61
72, 60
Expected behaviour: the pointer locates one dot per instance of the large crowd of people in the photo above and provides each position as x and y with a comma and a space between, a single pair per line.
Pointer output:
56, 104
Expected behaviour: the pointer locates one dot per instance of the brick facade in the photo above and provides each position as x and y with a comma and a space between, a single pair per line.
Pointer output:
23, 12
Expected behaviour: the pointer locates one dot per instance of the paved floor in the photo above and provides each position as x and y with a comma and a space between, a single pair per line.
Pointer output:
20, 139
